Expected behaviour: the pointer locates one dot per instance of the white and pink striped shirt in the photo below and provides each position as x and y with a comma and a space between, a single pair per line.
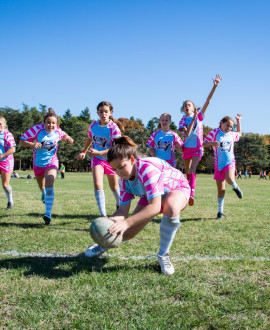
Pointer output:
195, 139
6, 142
223, 155
154, 177
45, 155
103, 136
164, 144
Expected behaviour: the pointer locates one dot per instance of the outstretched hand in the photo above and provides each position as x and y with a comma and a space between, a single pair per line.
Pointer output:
118, 227
238, 116
217, 80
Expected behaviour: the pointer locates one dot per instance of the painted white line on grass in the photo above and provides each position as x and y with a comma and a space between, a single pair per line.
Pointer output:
15, 253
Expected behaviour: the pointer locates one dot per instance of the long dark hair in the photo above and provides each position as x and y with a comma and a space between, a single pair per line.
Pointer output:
194, 106
117, 122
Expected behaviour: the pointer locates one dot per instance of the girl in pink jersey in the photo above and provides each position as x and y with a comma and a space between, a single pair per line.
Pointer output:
222, 140
44, 138
192, 128
101, 134
7, 149
163, 142
161, 188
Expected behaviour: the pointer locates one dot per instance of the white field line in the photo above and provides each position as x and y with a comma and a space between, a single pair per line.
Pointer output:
15, 253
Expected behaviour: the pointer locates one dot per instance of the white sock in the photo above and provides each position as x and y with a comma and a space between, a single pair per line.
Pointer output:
116, 194
168, 229
220, 204
49, 199
43, 191
234, 185
100, 198
8, 192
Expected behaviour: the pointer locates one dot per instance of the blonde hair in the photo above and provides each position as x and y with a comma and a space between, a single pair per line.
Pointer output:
164, 114
225, 119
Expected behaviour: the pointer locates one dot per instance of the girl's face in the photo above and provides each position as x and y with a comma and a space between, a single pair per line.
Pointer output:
188, 108
2, 125
104, 113
165, 122
227, 126
50, 124
124, 168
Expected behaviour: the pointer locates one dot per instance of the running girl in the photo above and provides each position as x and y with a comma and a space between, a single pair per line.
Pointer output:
159, 186
7, 149
222, 140
192, 128
44, 138
101, 133
163, 142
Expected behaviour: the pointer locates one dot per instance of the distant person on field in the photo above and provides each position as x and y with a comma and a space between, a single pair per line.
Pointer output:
161, 188
264, 175
246, 175
62, 171
7, 149
102, 133
15, 175
239, 175
249, 174
192, 128
163, 142
44, 138
222, 140
261, 175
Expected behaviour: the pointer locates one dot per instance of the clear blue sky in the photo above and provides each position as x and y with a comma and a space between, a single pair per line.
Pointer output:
145, 57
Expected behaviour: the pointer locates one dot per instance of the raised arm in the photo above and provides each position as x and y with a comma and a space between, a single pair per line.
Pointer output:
188, 130
238, 118
216, 82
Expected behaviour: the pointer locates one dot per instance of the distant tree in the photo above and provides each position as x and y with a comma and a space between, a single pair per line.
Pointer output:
152, 125
85, 115
67, 115
130, 125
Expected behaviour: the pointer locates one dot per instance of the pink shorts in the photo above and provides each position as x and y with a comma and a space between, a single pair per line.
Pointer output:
40, 171
106, 166
7, 165
186, 190
188, 153
220, 175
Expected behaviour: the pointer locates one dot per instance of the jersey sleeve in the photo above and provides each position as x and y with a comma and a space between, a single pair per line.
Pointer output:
31, 134
236, 136
210, 136
125, 197
177, 139
200, 116
151, 141
182, 123
90, 131
115, 132
152, 179
61, 133
10, 142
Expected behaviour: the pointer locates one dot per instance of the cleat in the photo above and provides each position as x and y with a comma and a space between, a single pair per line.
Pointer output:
191, 201
47, 219
165, 264
220, 216
9, 206
43, 198
94, 251
238, 192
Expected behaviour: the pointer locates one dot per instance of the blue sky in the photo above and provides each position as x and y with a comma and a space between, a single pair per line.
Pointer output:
145, 57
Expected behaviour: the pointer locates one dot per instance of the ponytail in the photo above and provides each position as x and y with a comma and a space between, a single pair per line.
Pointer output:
50, 113
123, 148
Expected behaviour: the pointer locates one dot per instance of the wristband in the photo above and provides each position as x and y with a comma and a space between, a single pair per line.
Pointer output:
83, 152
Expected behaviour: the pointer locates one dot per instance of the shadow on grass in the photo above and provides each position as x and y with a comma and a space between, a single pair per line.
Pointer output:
21, 225
63, 267
69, 216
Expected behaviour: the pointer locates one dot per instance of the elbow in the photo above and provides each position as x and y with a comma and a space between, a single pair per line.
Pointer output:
21, 142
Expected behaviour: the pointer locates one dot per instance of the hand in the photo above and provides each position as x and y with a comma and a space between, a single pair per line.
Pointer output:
118, 227
37, 145
70, 140
238, 116
195, 114
81, 156
217, 80
215, 144
92, 152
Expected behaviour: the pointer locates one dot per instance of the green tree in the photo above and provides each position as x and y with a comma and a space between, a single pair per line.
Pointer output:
85, 115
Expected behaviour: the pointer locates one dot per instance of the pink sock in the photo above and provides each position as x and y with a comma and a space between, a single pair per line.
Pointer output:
192, 182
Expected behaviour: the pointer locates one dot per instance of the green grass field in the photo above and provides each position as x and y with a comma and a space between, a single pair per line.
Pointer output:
222, 267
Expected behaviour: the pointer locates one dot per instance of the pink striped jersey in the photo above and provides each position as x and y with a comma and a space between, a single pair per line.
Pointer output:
6, 142
164, 143
103, 136
154, 177
224, 154
195, 139
45, 155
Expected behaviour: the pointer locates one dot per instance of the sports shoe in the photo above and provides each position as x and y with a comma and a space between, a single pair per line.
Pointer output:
94, 251
43, 198
238, 192
47, 219
165, 264
9, 206
191, 201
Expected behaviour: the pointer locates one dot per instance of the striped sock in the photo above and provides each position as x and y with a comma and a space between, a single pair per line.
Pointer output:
8, 192
220, 204
100, 198
168, 229
116, 194
49, 199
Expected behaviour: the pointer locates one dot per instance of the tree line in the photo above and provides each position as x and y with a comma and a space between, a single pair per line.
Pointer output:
252, 152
